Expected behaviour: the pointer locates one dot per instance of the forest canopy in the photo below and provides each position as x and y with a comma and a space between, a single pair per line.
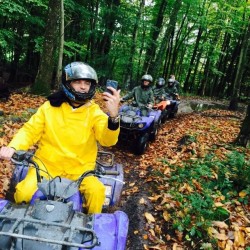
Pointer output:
205, 43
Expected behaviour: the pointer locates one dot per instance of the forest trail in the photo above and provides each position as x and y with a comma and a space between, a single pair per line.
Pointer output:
211, 128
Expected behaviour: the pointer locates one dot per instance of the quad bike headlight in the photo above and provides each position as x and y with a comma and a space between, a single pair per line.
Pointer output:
141, 125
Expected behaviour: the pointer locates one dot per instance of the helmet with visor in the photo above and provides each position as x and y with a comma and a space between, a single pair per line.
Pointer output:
79, 71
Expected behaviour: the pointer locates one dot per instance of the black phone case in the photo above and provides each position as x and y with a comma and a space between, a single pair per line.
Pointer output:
111, 83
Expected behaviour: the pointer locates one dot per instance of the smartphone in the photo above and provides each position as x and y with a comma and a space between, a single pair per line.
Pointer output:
111, 83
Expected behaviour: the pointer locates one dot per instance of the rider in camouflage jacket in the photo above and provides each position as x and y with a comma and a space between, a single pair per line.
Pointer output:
143, 96
173, 88
159, 90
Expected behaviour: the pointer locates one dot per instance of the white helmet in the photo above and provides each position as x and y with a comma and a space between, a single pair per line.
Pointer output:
147, 78
171, 81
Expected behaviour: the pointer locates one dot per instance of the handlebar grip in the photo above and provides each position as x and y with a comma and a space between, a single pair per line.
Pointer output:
19, 155
111, 172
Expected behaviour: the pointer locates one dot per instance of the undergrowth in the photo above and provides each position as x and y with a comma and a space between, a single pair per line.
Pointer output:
197, 186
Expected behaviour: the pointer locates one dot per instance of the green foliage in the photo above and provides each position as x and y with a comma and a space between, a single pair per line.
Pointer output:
13, 9
38, 3
72, 48
197, 184
5, 37
233, 174
38, 44
117, 37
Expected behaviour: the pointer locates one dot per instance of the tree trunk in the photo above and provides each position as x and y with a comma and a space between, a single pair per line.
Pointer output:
43, 80
243, 138
130, 66
172, 68
155, 67
104, 45
187, 85
61, 45
240, 67
154, 34
220, 87
93, 7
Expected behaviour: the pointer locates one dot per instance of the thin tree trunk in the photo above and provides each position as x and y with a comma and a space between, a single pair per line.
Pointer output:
240, 67
179, 38
61, 46
154, 34
187, 85
129, 73
43, 80
155, 67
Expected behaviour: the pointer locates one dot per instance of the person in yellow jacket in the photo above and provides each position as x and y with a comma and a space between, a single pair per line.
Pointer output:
67, 129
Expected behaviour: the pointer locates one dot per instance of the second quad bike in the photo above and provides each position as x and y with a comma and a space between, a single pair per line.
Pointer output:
169, 108
136, 129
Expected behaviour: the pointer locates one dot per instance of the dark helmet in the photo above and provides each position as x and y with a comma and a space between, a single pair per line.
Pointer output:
160, 82
79, 71
170, 82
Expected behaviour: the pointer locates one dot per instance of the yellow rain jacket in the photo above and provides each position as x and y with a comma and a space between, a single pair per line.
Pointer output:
67, 138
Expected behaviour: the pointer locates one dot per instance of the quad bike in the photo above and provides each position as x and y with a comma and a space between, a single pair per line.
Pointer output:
54, 219
136, 129
168, 106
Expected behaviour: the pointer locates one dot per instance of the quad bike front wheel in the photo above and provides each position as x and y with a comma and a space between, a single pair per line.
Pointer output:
141, 144
173, 114
154, 133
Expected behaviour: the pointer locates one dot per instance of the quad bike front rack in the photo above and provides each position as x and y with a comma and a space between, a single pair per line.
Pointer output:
69, 232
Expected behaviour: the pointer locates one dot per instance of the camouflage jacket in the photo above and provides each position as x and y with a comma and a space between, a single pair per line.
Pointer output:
141, 96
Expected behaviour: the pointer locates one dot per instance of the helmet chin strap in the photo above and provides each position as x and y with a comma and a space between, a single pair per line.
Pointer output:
76, 105
77, 97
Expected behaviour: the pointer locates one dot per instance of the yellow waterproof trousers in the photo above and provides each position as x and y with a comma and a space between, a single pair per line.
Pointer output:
92, 189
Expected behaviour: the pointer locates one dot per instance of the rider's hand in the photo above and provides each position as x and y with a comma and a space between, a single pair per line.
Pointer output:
6, 153
112, 101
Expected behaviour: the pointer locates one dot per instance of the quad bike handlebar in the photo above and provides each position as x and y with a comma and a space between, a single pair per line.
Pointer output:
21, 157
53, 186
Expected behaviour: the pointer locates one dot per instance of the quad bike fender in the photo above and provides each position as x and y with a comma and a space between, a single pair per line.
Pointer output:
113, 188
115, 237
155, 114
3, 203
